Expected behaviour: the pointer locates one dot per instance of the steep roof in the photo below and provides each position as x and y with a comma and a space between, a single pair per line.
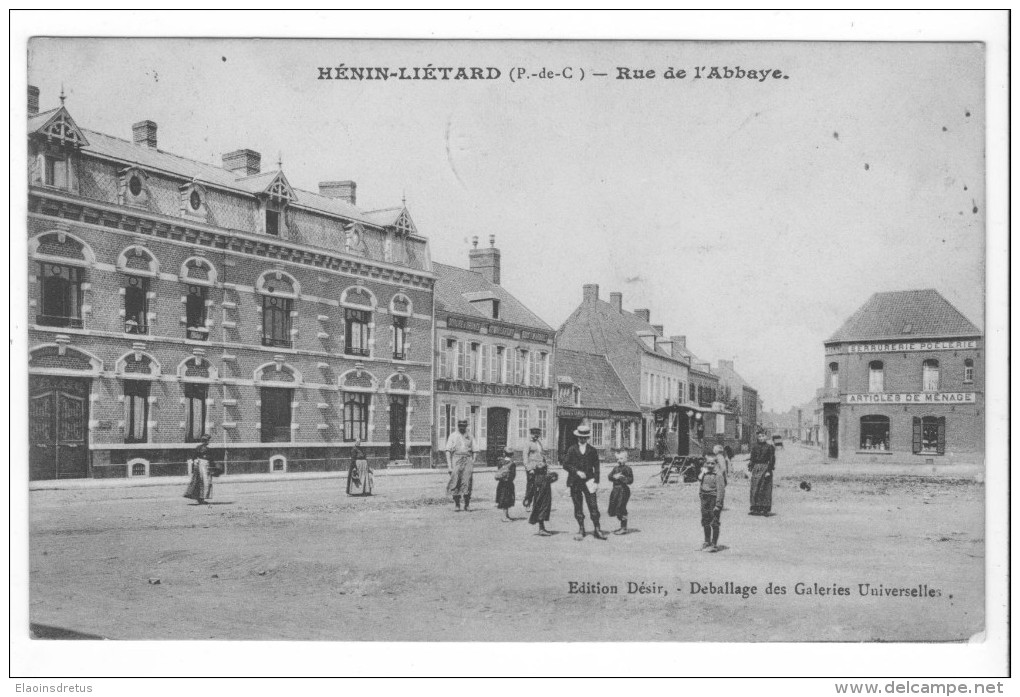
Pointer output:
454, 287
594, 325
601, 387
730, 376
906, 314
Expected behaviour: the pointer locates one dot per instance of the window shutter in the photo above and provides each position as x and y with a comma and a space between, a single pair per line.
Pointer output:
917, 434
942, 435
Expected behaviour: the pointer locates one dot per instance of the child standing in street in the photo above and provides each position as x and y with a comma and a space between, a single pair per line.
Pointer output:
541, 506
622, 477
505, 493
712, 490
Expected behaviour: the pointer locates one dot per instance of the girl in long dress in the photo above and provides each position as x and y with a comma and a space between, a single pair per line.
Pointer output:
622, 477
541, 507
506, 495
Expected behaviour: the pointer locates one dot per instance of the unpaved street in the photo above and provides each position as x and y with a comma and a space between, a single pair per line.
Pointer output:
300, 560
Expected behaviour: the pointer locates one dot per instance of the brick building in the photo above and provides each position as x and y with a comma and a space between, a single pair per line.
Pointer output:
589, 391
904, 382
655, 370
493, 358
169, 298
735, 392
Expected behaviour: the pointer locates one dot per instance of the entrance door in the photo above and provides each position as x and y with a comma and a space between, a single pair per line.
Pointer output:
58, 415
498, 420
398, 427
832, 433
567, 437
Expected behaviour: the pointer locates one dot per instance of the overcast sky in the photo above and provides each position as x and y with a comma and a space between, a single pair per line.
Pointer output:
752, 217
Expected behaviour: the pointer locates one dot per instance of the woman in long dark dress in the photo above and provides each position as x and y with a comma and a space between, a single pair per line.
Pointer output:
541, 506
200, 486
359, 476
622, 477
506, 495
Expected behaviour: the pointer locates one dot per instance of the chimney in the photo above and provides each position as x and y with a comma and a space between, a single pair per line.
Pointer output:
486, 261
591, 292
144, 133
659, 329
726, 364
33, 100
346, 190
646, 315
616, 300
680, 340
243, 163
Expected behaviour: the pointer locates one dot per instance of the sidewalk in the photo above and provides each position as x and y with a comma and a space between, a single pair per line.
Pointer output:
125, 482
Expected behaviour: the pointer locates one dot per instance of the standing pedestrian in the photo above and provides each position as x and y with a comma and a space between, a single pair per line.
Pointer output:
534, 454
506, 495
582, 466
712, 492
761, 465
460, 461
622, 477
359, 474
200, 486
542, 503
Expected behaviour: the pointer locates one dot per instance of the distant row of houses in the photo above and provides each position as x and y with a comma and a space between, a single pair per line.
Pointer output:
170, 299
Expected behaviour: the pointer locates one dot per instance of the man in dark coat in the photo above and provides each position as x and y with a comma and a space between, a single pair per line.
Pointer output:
582, 466
761, 465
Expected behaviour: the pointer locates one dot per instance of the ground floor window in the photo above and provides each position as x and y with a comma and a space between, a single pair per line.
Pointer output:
356, 416
874, 432
195, 395
447, 421
929, 435
543, 422
136, 411
598, 434
276, 414
522, 424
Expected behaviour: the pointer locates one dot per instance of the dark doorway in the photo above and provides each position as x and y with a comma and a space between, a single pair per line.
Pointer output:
58, 417
832, 434
498, 420
567, 437
398, 427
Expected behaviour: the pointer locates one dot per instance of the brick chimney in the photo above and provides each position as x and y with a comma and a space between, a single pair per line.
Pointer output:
33, 100
144, 134
485, 261
243, 163
616, 300
591, 292
646, 315
345, 190
659, 329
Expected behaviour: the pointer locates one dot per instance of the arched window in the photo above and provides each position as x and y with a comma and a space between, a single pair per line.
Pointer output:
930, 375
276, 321
968, 370
876, 376
356, 416
136, 305
834, 376
874, 432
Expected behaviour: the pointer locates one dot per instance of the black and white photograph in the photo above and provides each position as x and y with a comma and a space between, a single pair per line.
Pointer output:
695, 343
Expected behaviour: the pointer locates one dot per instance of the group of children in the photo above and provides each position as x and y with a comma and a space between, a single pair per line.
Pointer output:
541, 500
711, 491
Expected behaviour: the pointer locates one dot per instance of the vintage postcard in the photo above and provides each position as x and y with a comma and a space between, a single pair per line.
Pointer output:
353, 340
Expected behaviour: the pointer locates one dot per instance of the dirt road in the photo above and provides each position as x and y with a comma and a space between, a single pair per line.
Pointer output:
300, 560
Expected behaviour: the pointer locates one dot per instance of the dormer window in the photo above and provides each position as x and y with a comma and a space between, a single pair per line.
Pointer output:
56, 172
495, 309
273, 222
135, 185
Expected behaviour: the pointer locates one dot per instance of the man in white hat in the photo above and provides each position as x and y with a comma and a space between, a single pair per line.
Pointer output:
460, 461
582, 466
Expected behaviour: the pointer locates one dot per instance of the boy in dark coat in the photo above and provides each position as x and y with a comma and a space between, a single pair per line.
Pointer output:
541, 505
622, 477
505, 493
712, 491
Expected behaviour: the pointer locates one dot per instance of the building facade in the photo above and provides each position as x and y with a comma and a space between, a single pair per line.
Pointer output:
590, 392
493, 359
170, 299
904, 382
655, 370
740, 398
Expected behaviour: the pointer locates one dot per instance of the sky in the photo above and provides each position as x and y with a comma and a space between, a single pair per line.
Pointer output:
752, 217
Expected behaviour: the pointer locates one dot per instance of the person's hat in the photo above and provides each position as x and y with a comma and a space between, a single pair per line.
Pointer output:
583, 432
717, 449
508, 450
462, 422
536, 429
206, 438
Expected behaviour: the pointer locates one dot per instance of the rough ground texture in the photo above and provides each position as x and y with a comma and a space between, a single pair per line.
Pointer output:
300, 560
